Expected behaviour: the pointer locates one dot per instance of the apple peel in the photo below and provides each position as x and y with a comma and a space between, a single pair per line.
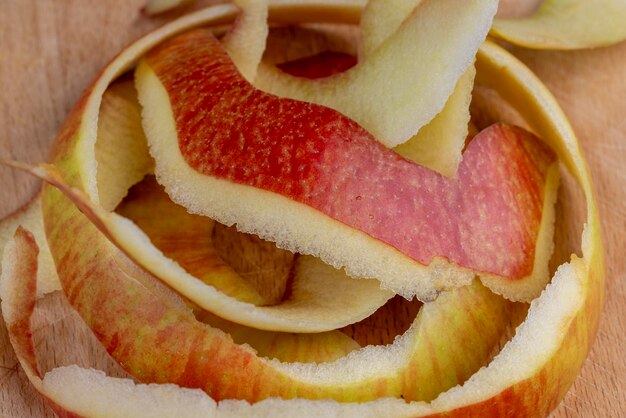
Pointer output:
379, 20
30, 217
566, 24
439, 144
316, 302
121, 151
182, 341
283, 346
245, 41
202, 170
559, 329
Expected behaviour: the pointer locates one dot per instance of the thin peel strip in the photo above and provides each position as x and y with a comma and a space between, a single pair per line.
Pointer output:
245, 41
379, 20
438, 144
29, 216
566, 24
202, 171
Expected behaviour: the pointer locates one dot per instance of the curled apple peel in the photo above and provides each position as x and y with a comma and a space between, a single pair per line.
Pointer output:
566, 24
410, 228
554, 338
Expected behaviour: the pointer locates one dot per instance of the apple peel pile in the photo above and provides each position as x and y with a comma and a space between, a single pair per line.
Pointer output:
162, 286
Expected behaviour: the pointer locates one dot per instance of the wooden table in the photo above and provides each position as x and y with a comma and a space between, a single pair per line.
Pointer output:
50, 50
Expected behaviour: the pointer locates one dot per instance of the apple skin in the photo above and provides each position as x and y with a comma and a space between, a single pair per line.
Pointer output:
486, 220
161, 341
158, 342
527, 398
540, 391
18, 291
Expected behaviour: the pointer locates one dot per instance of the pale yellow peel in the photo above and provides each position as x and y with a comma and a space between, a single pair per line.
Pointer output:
155, 7
121, 150
286, 347
245, 42
380, 19
566, 24
439, 144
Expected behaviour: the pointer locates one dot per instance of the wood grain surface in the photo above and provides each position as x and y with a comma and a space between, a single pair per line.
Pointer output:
50, 50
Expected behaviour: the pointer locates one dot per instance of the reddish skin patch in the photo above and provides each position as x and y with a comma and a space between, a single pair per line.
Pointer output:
23, 300
486, 220
23, 287
321, 65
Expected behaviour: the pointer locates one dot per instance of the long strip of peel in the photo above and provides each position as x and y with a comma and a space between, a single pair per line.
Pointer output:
337, 190
379, 20
196, 351
245, 41
566, 24
439, 144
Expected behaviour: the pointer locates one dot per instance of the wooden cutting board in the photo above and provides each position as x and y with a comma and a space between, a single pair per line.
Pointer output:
50, 50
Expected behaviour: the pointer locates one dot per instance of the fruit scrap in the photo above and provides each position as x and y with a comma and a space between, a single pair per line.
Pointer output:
29, 216
566, 24
154, 334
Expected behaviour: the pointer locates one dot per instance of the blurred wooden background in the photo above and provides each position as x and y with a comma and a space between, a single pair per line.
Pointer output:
50, 50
